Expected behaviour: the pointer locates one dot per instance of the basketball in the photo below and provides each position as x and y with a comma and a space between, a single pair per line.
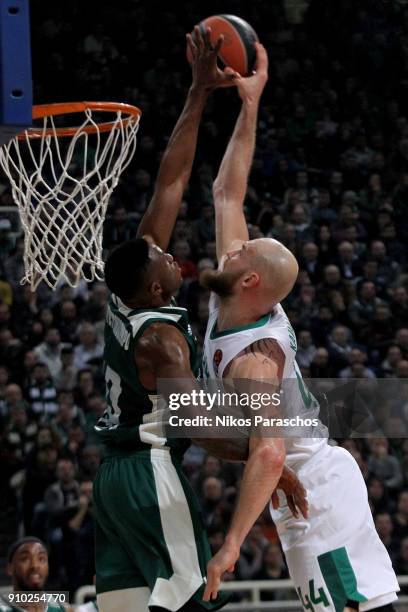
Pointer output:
238, 49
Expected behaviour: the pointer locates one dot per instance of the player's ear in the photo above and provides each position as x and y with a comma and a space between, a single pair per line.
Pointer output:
9, 571
155, 289
250, 280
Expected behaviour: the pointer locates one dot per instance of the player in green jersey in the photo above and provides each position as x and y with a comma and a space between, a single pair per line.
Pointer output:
151, 546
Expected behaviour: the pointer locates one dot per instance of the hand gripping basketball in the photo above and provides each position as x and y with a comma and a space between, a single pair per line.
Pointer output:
203, 57
250, 89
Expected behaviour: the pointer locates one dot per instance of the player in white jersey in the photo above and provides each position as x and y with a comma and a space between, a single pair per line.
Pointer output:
335, 557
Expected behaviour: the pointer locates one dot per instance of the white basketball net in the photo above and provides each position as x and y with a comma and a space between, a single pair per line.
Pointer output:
62, 187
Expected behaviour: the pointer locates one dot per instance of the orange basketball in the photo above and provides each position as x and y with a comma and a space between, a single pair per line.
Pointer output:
238, 49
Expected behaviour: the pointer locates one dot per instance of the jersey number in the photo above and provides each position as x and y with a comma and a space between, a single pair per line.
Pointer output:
312, 598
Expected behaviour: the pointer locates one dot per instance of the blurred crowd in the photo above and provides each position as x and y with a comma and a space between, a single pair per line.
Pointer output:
329, 180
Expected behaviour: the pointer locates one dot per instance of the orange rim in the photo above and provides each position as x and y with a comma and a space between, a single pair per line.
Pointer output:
64, 108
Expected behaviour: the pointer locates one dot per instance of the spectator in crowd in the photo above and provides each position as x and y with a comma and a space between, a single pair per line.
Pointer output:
88, 347
363, 308
385, 528
11, 350
384, 465
67, 321
119, 228
400, 518
41, 393
67, 376
89, 462
82, 538
40, 473
27, 566
310, 262
251, 557
339, 347
49, 352
62, 504
13, 398
401, 563
348, 262
378, 495
68, 417
211, 466
319, 367
18, 439
356, 356
84, 388
399, 305
391, 361
401, 340
306, 349
95, 308
182, 254
273, 568
211, 495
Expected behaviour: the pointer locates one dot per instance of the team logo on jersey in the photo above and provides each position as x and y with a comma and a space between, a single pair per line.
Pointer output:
217, 360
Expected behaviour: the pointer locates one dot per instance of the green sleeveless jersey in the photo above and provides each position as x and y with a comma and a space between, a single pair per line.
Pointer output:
133, 420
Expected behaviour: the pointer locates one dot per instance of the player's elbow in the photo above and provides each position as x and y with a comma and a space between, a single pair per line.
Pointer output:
219, 191
272, 456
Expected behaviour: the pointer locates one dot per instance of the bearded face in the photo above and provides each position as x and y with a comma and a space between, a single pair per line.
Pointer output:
236, 264
222, 282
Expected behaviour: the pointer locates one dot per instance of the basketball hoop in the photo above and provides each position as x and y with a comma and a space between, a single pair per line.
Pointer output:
62, 178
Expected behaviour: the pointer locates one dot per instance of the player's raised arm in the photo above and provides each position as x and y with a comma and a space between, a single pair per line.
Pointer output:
175, 168
259, 364
231, 183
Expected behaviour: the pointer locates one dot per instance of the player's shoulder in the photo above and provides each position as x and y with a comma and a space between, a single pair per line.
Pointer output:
160, 341
265, 353
159, 331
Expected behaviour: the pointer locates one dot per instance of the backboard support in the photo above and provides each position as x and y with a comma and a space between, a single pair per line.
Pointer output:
16, 90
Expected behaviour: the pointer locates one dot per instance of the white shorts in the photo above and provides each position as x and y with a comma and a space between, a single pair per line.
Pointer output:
335, 555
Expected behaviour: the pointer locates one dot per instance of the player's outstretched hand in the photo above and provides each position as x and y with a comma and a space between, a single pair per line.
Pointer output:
223, 561
250, 88
295, 492
203, 57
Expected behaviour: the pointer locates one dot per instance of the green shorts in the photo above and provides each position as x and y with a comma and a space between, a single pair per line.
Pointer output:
149, 530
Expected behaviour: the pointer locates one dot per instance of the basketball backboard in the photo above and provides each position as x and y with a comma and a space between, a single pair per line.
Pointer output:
16, 95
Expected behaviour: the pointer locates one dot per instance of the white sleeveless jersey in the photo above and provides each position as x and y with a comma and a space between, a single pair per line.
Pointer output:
220, 348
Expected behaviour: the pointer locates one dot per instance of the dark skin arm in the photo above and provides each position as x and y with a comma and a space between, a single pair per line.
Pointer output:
163, 352
175, 168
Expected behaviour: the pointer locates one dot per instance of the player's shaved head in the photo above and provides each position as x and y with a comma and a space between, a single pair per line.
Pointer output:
277, 267
263, 267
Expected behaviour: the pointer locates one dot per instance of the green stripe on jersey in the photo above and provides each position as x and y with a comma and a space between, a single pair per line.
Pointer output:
339, 577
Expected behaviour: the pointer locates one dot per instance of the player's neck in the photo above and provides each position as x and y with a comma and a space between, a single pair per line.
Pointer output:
157, 302
233, 312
